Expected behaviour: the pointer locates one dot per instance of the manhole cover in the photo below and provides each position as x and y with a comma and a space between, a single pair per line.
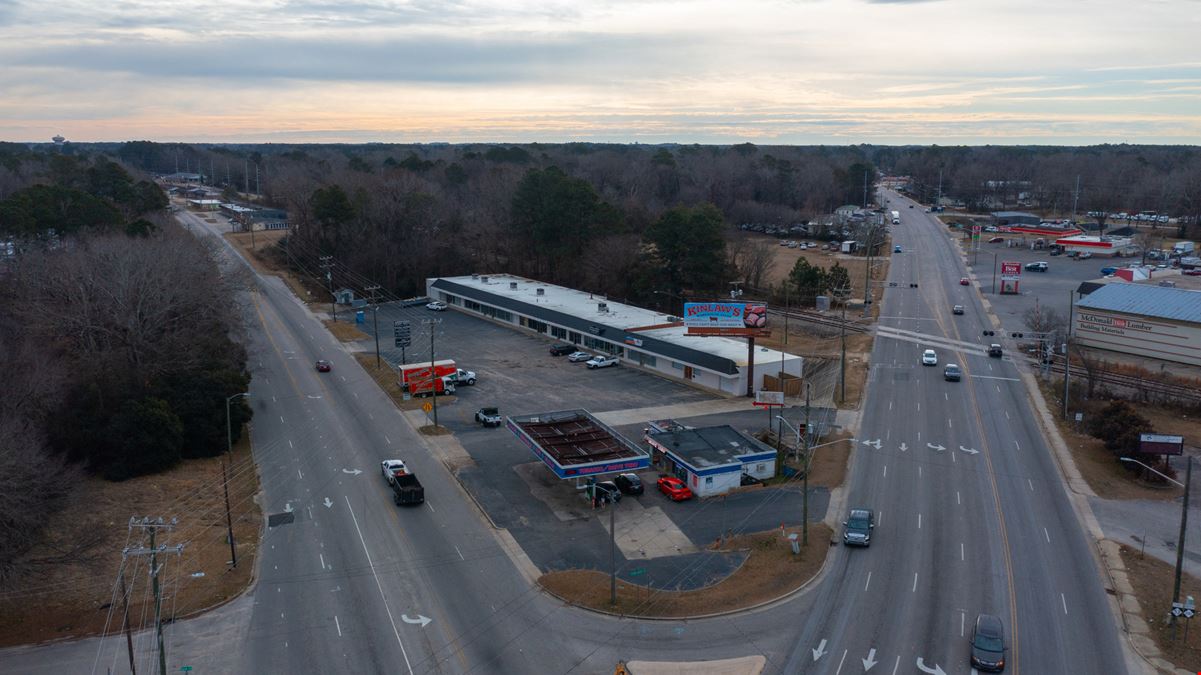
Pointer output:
280, 519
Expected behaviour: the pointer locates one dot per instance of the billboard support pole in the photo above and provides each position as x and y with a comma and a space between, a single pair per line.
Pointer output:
750, 372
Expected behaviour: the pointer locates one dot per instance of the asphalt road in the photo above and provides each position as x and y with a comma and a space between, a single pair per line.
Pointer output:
971, 511
348, 586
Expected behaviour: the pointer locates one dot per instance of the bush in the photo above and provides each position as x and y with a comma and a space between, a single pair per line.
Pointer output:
1118, 425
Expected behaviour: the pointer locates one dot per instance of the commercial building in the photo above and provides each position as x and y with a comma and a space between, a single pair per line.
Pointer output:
711, 460
1098, 246
574, 444
1143, 320
639, 337
1014, 218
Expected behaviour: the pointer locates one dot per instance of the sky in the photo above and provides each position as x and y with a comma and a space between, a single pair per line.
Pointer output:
951, 72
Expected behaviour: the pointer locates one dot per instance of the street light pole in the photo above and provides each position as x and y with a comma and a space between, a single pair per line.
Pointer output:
229, 445
1188, 481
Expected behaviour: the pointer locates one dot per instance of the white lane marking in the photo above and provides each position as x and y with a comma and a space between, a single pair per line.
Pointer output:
962, 618
281, 420
998, 388
952, 458
869, 582
371, 416
1047, 535
957, 502
1015, 444
919, 435
427, 503
290, 445
888, 435
464, 559
919, 472
1006, 414
886, 471
880, 520
961, 552
322, 556
379, 586
948, 422
946, 396
840, 661
356, 394
1031, 484
300, 474
915, 582
338, 624
890, 405
919, 407
994, 377
343, 378
273, 400
388, 439
990, 366
919, 521
1065, 603
896, 665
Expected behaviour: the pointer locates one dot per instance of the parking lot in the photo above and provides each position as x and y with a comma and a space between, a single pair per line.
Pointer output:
660, 542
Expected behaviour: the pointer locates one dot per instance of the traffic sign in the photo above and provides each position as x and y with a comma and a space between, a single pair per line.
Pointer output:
637, 571
402, 334
427, 406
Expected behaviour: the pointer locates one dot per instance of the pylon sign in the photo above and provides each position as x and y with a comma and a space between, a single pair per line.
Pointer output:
402, 332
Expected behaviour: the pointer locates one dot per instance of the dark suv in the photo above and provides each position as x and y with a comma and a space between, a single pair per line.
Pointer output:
629, 483
857, 528
988, 644
561, 349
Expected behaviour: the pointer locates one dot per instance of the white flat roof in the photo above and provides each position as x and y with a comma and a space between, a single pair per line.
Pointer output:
583, 305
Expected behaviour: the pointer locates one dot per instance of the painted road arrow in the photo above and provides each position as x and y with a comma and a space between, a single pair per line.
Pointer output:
820, 651
423, 620
936, 670
287, 507
970, 451
936, 448
328, 503
870, 660
875, 444
904, 447
354, 472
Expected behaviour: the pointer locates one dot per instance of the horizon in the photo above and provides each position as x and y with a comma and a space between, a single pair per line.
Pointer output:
839, 72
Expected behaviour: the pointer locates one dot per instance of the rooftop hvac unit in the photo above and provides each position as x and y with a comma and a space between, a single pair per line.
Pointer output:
475, 276
512, 285
540, 292
602, 306
483, 280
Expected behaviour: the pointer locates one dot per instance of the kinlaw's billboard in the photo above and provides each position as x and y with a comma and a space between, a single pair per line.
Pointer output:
739, 319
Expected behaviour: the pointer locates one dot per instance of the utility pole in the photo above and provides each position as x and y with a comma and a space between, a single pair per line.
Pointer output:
229, 446
433, 324
257, 186
246, 174
1188, 481
612, 549
1075, 198
842, 367
805, 479
153, 525
125, 620
1067, 354
327, 264
375, 303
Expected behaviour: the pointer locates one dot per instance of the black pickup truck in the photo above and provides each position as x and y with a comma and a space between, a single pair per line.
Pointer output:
406, 489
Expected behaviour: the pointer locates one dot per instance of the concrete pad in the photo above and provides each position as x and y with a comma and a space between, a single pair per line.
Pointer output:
560, 496
745, 665
645, 533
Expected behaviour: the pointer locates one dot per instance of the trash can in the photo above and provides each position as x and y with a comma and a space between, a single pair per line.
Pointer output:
359, 316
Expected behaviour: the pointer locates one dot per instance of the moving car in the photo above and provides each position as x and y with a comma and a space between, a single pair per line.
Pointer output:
391, 467
1106, 271
577, 357
436, 306
994, 350
1084, 256
964, 281
996, 240
561, 349
929, 358
601, 362
896, 249
952, 373
957, 309
1036, 267
489, 417
629, 483
857, 528
323, 366
674, 488
988, 644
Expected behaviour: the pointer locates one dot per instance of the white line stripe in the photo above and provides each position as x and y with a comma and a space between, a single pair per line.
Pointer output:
1031, 484
840, 661
919, 521
886, 471
388, 439
957, 502
1065, 603
997, 377
322, 556
290, 444
1015, 444
338, 624
379, 586
915, 582
869, 582
896, 665
462, 558
961, 558
427, 503
1047, 535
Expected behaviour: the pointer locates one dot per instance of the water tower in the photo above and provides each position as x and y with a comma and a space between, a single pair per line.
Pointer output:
59, 140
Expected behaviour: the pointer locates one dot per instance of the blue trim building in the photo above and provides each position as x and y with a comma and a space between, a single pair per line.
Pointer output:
712, 460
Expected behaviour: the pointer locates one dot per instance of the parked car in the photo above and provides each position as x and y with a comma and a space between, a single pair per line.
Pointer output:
957, 309
964, 281
1192, 272
1084, 256
991, 228
952, 373
674, 488
324, 366
1106, 271
436, 306
988, 644
629, 483
857, 528
489, 417
561, 349
608, 488
929, 358
577, 357
996, 240
1036, 267
994, 350
601, 362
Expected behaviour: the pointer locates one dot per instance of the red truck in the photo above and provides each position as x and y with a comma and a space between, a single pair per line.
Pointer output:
416, 378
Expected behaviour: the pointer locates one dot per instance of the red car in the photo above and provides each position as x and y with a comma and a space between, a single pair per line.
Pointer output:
964, 281
674, 488
323, 366
1192, 273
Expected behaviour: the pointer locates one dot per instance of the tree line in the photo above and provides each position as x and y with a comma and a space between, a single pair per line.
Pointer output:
117, 338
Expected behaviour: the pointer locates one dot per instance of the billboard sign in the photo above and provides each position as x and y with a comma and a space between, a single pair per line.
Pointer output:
1160, 444
1011, 276
745, 319
768, 399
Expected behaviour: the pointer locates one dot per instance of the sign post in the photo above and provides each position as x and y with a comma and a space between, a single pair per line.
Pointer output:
1011, 277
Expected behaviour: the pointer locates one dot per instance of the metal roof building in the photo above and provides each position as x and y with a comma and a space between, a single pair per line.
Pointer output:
712, 460
641, 337
1143, 320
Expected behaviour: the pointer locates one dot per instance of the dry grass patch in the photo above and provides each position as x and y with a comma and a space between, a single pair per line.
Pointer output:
346, 332
70, 596
770, 571
1153, 581
829, 467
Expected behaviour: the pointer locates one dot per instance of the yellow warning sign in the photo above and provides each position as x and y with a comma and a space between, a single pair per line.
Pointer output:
427, 406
